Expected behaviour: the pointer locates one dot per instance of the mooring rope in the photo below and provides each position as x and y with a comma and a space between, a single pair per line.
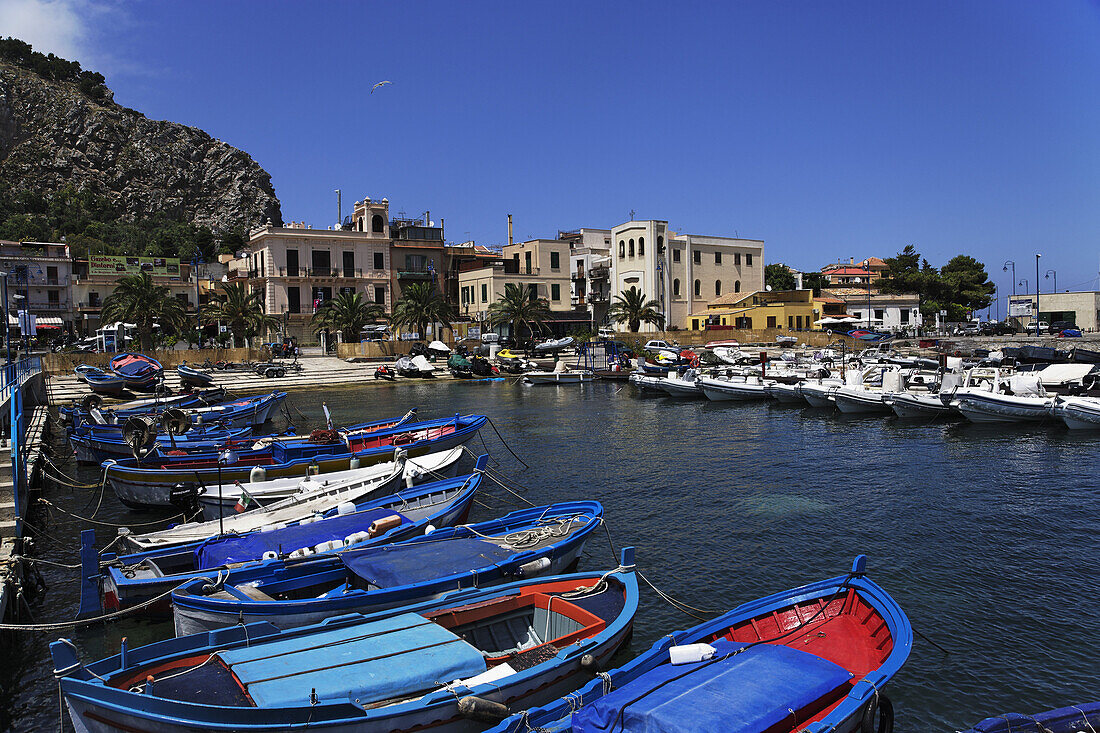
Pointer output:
181, 515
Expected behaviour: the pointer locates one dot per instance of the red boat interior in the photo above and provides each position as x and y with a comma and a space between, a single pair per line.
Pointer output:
848, 633
135, 363
367, 442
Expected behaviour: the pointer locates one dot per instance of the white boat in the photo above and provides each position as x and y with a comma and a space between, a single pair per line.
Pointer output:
743, 389
561, 375
554, 344
981, 406
917, 405
730, 354
432, 467
859, 400
819, 392
1079, 413
646, 382
685, 385
786, 393
422, 365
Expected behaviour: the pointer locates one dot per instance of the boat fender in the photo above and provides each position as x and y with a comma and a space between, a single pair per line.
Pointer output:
270, 555
534, 567
383, 525
267, 528
590, 664
355, 538
301, 552
480, 709
345, 508
688, 653
353, 464
428, 529
328, 546
879, 704
257, 474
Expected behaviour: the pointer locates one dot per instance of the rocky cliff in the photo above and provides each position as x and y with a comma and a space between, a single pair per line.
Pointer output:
52, 134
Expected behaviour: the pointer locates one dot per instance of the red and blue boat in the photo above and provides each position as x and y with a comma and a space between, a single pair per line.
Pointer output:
815, 659
142, 373
442, 665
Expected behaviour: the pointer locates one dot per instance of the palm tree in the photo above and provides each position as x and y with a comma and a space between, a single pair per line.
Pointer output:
633, 309
138, 300
520, 305
419, 305
347, 313
239, 309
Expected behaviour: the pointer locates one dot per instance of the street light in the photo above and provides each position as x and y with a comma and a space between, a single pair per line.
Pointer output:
228, 458
1047, 277
1037, 256
1024, 283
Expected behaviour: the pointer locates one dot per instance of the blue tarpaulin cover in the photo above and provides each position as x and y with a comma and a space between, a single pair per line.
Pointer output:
396, 565
400, 655
252, 546
744, 693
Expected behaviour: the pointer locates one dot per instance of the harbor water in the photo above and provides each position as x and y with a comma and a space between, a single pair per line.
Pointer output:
988, 536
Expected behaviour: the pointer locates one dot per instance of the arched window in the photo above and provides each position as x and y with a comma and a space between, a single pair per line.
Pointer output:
676, 288
660, 243
630, 247
622, 249
737, 286
698, 288
360, 227
377, 223
717, 287
641, 246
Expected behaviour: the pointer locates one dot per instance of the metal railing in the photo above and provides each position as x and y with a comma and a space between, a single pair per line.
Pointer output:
15, 374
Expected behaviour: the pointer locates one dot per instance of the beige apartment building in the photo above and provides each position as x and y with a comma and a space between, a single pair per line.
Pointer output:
297, 268
542, 264
682, 272
39, 279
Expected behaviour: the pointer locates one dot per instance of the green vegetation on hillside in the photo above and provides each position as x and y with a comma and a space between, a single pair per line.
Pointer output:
90, 225
90, 83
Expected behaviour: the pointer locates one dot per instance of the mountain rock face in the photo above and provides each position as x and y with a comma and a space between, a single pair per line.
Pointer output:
52, 135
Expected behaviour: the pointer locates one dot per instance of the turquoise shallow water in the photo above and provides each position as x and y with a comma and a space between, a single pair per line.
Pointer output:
988, 537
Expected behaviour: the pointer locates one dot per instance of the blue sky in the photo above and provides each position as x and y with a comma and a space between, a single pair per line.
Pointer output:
828, 129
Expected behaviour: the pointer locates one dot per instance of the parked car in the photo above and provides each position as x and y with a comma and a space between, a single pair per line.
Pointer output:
1037, 327
968, 329
658, 345
1059, 326
997, 328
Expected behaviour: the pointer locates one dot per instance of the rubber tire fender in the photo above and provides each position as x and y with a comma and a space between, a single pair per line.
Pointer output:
879, 704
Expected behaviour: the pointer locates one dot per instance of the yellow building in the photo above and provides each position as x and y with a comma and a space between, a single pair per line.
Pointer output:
793, 310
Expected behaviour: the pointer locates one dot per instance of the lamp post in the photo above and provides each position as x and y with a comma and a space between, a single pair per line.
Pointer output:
1047, 277
195, 262
228, 458
1012, 264
1037, 256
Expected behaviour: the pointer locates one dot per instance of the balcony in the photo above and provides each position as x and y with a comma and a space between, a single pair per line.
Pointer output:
334, 272
50, 307
599, 273
577, 276
49, 282
576, 300
597, 298
415, 275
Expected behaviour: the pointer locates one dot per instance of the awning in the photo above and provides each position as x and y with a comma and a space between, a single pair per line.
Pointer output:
39, 320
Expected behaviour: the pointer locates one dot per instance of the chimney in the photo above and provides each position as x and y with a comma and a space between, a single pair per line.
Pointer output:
509, 229
798, 281
851, 260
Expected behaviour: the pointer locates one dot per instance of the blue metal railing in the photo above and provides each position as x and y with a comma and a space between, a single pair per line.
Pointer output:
14, 376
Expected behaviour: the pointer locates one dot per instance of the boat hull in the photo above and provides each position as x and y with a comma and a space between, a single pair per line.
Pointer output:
1080, 414
918, 406
720, 390
860, 402
817, 395
988, 407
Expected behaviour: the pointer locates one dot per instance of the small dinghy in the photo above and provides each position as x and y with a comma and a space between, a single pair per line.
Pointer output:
562, 374
819, 392
724, 389
813, 659
1025, 401
103, 383
647, 383
81, 371
554, 345
682, 385
1083, 718
1079, 413
918, 405
440, 665
192, 377
542, 540
141, 372
788, 394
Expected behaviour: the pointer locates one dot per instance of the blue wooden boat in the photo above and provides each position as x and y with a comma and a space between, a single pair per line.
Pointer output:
812, 659
1071, 719
80, 413
95, 444
81, 369
192, 377
438, 666
152, 481
142, 373
103, 383
138, 577
544, 540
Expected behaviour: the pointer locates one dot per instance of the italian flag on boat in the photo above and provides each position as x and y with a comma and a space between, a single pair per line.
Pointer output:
246, 499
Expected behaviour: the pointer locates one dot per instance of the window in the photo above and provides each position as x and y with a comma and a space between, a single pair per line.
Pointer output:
737, 259
660, 244
555, 292
800, 322
696, 257
377, 224
533, 290
641, 246
484, 292
717, 258
379, 261
349, 264
790, 322
622, 249
737, 286
555, 260
676, 288
878, 314
380, 295
416, 263
748, 260
321, 262
182, 298
347, 290
630, 247
698, 288
717, 287
744, 322
294, 300
292, 262
53, 297
905, 315
93, 299
771, 321
675, 255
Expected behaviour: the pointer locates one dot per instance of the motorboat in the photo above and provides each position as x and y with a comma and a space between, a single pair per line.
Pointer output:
554, 345
737, 388
917, 405
813, 659
681, 385
785, 393
192, 377
565, 376
819, 392
432, 666
1079, 413
1020, 399
646, 383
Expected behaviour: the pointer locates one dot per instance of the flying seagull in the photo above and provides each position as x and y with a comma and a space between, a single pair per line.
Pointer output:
378, 85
